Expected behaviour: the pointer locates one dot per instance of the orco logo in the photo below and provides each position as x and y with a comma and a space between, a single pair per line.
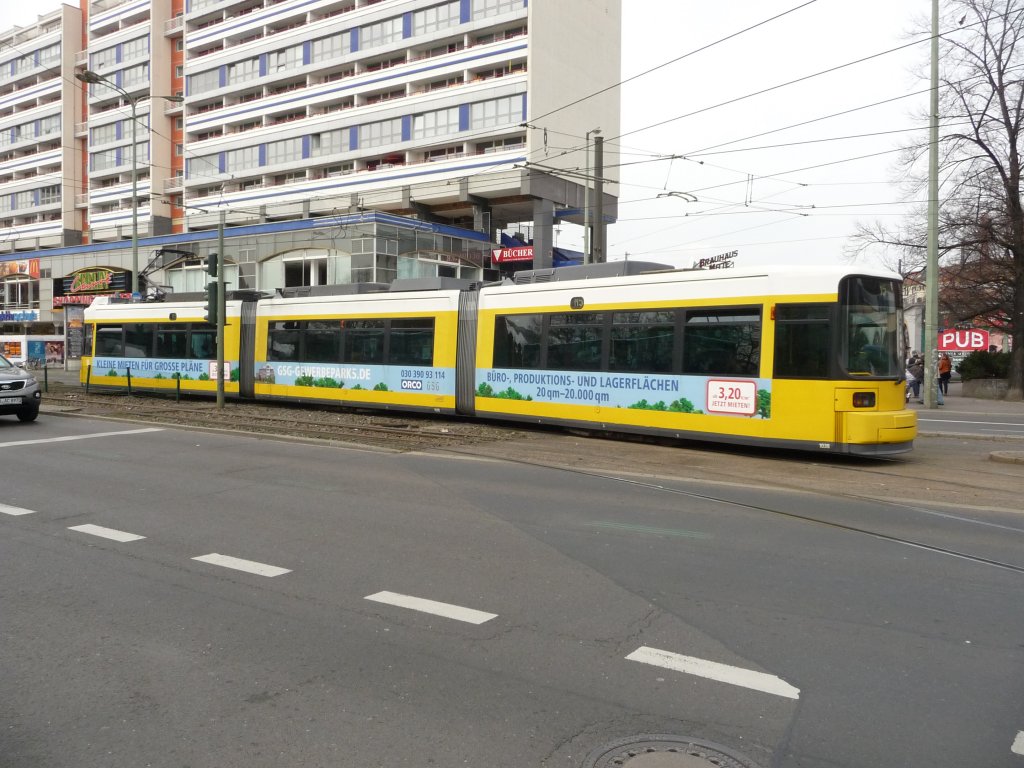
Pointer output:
412, 384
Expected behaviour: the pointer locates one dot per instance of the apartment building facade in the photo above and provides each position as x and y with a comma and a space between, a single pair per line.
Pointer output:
250, 113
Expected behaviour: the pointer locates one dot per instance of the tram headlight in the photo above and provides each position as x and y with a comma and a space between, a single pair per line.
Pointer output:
863, 399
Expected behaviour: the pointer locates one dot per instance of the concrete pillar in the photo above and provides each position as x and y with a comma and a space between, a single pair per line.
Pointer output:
543, 233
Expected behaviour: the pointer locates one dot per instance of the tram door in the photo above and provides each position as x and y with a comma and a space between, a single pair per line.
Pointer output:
247, 349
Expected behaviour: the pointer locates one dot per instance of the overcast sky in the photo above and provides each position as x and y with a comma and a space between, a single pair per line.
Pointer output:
769, 204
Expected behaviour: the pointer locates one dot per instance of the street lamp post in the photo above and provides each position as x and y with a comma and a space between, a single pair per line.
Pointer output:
93, 78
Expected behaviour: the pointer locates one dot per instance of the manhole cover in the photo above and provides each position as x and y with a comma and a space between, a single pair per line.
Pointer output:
665, 751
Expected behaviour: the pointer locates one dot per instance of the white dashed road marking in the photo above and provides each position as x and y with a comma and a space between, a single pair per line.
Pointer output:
249, 566
106, 533
1018, 744
447, 610
68, 438
15, 510
723, 673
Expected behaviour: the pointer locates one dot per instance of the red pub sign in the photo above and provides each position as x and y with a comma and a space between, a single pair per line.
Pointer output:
970, 340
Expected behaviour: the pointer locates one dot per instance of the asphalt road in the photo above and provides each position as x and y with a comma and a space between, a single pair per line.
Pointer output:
229, 622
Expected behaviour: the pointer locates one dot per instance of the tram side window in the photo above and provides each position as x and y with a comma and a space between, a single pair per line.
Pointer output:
138, 340
109, 341
411, 342
322, 341
642, 342
202, 343
803, 334
517, 341
574, 341
171, 341
722, 342
364, 341
283, 342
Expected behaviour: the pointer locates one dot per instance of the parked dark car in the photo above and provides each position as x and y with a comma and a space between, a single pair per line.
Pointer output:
19, 391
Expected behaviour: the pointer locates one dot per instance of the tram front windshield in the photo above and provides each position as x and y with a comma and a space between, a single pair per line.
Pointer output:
871, 314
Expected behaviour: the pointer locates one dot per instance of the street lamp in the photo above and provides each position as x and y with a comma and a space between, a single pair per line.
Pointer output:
94, 78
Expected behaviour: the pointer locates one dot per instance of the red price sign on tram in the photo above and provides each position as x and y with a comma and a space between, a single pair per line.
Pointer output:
738, 398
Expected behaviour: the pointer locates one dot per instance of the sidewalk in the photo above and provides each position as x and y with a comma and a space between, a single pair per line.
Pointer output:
957, 403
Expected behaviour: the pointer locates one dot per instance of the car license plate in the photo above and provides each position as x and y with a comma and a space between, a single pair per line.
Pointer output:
10, 401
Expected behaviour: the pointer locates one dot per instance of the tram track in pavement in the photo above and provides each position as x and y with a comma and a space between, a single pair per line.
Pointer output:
383, 430
809, 519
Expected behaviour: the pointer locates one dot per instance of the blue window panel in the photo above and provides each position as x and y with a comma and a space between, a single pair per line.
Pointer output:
222, 162
354, 44
11, 67
36, 125
406, 127
465, 11
407, 24
353, 137
117, 156
117, 78
222, 74
119, 130
463, 117
35, 197
263, 64
307, 147
307, 52
524, 106
263, 154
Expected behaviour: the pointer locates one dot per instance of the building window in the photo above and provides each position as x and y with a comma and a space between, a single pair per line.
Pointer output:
304, 271
19, 293
435, 18
103, 59
49, 195
204, 81
439, 123
242, 159
333, 47
135, 49
243, 71
327, 143
191, 277
135, 76
50, 55
483, 9
379, 134
289, 58
381, 33
206, 166
284, 151
490, 114
103, 134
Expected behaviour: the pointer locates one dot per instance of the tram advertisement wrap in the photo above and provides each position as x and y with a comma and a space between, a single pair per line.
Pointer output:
748, 398
380, 378
160, 368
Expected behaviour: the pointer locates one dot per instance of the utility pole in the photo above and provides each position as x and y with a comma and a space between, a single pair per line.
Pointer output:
931, 306
587, 256
221, 309
599, 231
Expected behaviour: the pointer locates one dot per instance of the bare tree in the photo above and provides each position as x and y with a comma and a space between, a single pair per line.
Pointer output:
981, 223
